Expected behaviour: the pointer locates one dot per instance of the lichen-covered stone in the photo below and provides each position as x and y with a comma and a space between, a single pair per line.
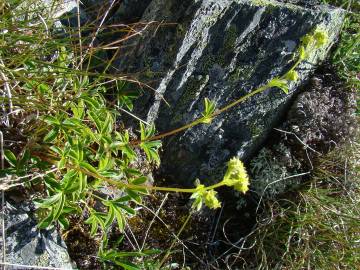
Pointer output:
221, 50
27, 245
274, 171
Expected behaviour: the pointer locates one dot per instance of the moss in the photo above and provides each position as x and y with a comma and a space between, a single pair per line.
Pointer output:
43, 260
191, 91
180, 31
256, 128
273, 3
242, 73
208, 63
229, 45
230, 38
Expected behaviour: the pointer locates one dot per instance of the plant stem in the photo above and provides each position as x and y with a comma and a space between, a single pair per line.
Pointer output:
131, 186
174, 241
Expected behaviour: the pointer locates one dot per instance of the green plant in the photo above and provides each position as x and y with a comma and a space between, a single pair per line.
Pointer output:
346, 56
71, 132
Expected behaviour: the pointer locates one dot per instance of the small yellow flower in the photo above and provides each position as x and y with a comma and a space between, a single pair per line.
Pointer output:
206, 120
292, 75
321, 38
242, 186
302, 53
236, 175
210, 199
201, 195
307, 40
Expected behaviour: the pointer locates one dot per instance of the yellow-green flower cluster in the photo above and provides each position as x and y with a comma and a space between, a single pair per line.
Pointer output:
211, 200
236, 176
208, 197
321, 38
292, 75
313, 41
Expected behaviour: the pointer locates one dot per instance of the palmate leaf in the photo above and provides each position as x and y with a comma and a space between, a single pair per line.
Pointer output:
113, 174
95, 119
96, 219
59, 206
87, 167
122, 143
55, 204
108, 124
68, 179
117, 257
49, 202
64, 222
74, 182
51, 136
110, 216
126, 99
209, 108
106, 162
78, 109
51, 120
92, 102
126, 264
151, 150
44, 223
118, 211
146, 132
134, 195
279, 83
52, 183
128, 152
10, 157
139, 181
120, 218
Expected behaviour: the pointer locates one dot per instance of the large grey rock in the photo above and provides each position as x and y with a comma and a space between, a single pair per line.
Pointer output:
130, 10
27, 245
221, 50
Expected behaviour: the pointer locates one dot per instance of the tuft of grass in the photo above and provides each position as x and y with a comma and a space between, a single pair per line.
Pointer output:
346, 56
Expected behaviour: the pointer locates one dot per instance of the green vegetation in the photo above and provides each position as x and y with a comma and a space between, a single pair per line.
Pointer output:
346, 56
62, 133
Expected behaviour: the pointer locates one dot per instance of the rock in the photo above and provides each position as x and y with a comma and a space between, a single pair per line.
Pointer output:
27, 245
304, 3
221, 50
47, 8
130, 11
124, 11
